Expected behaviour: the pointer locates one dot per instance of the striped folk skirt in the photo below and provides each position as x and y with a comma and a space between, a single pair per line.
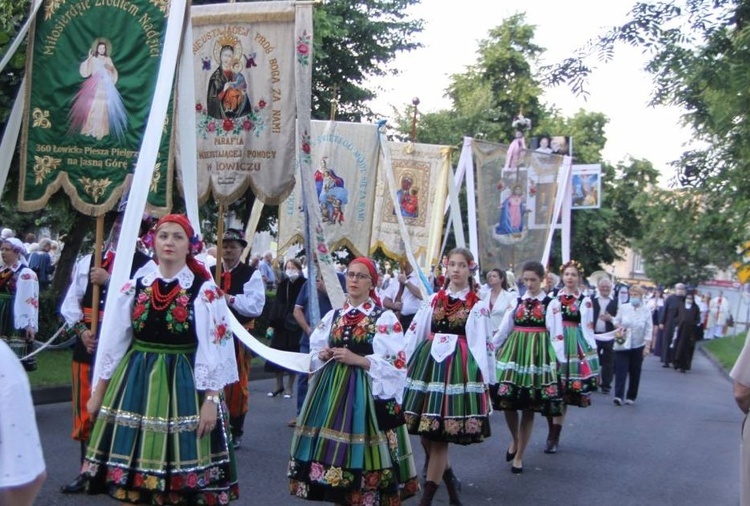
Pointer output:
144, 447
446, 401
527, 375
348, 447
580, 374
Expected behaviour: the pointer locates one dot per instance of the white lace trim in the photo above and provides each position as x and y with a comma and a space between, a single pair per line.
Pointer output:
185, 277
207, 379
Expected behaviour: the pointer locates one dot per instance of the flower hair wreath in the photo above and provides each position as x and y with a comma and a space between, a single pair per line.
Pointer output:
572, 263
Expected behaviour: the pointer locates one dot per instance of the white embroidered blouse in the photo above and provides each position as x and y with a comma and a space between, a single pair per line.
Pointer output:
388, 360
478, 332
26, 299
215, 363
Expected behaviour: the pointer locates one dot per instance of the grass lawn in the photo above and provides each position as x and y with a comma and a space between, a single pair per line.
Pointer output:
54, 369
726, 349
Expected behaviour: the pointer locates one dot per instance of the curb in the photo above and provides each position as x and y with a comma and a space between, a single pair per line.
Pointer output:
63, 393
716, 363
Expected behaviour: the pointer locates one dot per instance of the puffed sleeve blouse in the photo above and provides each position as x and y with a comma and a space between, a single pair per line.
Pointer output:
215, 363
388, 360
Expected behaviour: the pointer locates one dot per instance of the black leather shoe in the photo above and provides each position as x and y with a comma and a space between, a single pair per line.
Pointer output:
74, 487
516, 470
509, 456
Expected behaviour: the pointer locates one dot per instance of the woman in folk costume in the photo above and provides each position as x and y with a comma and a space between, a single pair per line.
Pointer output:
350, 445
161, 434
446, 398
579, 361
527, 362
19, 300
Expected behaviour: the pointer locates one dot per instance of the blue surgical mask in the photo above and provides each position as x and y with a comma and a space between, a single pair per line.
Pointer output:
635, 301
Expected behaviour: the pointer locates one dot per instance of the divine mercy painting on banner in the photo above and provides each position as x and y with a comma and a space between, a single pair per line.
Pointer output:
515, 204
91, 76
245, 56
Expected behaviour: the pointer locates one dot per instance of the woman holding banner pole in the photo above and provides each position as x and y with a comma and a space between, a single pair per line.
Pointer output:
162, 430
350, 445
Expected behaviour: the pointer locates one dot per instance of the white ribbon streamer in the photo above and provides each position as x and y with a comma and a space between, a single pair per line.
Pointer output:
298, 362
144, 168
186, 129
21, 34
10, 137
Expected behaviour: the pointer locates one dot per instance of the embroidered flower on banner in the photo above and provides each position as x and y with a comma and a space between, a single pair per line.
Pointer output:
303, 48
254, 122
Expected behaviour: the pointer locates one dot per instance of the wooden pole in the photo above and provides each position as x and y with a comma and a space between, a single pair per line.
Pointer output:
415, 103
219, 244
334, 103
97, 265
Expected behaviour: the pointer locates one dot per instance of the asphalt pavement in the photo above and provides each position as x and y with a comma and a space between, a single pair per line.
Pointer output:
678, 445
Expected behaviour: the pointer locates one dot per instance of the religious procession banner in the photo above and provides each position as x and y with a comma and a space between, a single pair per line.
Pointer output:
245, 56
345, 161
420, 173
586, 186
90, 82
516, 204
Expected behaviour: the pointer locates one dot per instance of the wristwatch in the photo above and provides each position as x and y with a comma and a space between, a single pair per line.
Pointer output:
213, 398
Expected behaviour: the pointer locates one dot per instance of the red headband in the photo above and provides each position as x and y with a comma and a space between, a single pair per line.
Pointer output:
195, 266
181, 220
373, 274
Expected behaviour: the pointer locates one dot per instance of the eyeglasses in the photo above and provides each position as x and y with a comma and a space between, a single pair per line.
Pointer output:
357, 275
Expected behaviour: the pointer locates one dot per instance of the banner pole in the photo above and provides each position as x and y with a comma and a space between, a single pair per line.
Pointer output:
97, 265
219, 244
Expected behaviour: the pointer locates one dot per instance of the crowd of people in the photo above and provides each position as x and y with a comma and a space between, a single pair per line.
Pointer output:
396, 360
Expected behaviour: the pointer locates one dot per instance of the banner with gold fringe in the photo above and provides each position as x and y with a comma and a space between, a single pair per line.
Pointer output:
345, 157
244, 56
420, 172
90, 81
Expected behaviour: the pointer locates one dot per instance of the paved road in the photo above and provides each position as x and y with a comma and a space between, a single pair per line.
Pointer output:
679, 445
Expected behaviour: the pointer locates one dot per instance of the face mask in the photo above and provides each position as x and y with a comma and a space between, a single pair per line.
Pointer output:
292, 274
635, 301
688, 304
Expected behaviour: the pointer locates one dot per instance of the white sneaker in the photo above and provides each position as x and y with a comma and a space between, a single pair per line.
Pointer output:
629, 402
617, 401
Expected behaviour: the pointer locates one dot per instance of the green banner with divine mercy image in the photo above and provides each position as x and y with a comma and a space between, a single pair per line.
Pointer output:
90, 82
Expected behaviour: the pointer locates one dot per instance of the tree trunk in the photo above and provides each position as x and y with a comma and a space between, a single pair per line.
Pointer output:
73, 241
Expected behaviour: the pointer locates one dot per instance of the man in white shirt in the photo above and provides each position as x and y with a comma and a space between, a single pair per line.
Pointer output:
404, 297
605, 308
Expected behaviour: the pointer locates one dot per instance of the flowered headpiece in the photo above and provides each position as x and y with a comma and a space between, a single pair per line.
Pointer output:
572, 263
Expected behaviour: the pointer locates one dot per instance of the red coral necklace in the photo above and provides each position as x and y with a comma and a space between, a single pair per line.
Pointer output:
160, 301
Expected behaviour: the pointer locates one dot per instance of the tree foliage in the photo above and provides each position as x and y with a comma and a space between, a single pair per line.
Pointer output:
683, 240
699, 57
356, 40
